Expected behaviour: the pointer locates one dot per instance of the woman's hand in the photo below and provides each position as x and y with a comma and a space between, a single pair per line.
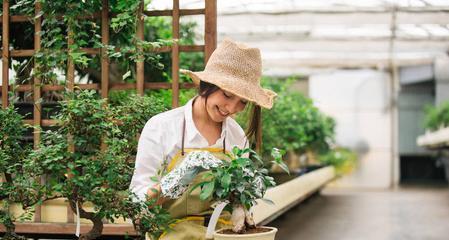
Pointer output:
176, 182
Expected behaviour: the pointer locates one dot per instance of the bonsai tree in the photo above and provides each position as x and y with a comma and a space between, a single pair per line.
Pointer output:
241, 182
89, 158
12, 154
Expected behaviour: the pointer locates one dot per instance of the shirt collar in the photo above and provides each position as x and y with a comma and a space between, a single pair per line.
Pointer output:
191, 130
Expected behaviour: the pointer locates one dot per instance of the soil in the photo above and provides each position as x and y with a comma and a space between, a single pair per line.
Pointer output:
248, 231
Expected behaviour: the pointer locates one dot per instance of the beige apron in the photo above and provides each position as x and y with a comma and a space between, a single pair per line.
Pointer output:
192, 212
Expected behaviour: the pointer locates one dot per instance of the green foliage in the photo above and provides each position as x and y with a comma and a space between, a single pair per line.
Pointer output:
161, 28
242, 180
12, 155
62, 19
91, 173
294, 123
343, 159
149, 217
437, 116
166, 96
11, 133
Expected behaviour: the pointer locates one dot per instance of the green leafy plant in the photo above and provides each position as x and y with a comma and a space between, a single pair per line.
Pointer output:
343, 159
92, 172
294, 123
437, 116
12, 155
240, 181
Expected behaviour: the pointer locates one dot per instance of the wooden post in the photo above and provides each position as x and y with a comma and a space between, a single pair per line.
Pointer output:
140, 63
37, 81
70, 87
175, 54
5, 53
70, 65
36, 97
210, 28
104, 56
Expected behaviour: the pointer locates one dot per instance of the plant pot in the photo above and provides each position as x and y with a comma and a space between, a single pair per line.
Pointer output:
270, 235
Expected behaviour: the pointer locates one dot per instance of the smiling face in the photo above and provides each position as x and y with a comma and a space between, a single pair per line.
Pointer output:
222, 104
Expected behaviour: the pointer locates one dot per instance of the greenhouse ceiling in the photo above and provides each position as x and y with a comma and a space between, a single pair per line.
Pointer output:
333, 33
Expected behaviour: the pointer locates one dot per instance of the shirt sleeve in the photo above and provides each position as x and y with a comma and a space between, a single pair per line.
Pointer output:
149, 159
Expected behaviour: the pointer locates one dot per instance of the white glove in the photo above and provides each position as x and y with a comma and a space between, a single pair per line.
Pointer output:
176, 182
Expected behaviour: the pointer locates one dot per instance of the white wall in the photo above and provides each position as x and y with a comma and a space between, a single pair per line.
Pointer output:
359, 101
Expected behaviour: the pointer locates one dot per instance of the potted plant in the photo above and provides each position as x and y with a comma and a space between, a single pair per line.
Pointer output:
238, 184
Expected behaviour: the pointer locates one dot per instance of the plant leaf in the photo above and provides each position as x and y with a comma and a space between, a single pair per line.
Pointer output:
226, 180
207, 190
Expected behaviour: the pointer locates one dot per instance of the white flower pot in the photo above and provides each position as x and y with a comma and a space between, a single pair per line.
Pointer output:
253, 236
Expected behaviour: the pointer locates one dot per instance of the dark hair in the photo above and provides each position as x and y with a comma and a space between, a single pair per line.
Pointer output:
253, 129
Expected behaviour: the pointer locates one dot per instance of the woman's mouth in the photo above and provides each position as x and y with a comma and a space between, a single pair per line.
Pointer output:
222, 113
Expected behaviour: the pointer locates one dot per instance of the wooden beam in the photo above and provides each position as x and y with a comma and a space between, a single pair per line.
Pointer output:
37, 81
175, 55
182, 12
140, 64
339, 10
22, 53
37, 109
24, 18
70, 65
192, 48
104, 56
5, 53
210, 29
69, 228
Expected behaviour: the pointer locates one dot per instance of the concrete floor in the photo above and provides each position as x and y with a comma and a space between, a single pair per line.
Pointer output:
407, 213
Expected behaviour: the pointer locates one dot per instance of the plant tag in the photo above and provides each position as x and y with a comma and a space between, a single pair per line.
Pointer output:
77, 233
214, 219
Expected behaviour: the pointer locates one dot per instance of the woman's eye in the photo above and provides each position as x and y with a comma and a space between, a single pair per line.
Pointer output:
244, 102
227, 94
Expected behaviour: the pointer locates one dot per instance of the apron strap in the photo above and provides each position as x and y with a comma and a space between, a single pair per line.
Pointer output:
184, 133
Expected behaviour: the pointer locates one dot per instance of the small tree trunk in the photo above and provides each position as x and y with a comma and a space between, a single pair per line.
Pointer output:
238, 218
97, 228
10, 228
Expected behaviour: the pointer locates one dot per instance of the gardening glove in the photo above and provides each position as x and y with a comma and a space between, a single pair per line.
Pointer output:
176, 182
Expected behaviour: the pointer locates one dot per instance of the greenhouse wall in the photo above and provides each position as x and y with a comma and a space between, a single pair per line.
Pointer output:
442, 79
361, 109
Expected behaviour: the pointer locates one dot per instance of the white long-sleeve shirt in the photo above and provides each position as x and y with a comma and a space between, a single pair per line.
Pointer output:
161, 138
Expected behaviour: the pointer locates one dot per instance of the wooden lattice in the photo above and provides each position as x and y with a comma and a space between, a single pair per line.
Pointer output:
210, 42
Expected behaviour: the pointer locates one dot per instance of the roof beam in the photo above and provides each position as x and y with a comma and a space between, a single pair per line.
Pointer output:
340, 10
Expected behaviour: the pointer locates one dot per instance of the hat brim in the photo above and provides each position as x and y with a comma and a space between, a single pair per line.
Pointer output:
243, 89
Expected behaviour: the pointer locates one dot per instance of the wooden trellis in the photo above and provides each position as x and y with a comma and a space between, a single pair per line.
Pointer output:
210, 42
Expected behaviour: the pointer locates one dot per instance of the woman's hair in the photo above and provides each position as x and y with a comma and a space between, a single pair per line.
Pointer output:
253, 126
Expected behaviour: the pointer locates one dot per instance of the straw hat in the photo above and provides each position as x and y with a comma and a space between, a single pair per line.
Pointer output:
236, 68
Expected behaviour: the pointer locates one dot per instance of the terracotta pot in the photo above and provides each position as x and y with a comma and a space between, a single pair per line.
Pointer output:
253, 236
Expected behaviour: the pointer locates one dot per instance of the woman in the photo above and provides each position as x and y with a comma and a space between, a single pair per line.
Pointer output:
230, 80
